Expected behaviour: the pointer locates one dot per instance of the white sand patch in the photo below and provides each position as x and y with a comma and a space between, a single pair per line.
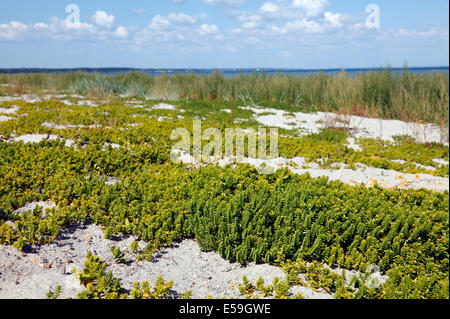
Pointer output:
112, 145
204, 273
164, 118
12, 110
429, 168
4, 118
60, 126
110, 180
30, 98
32, 206
135, 104
37, 138
76, 96
32, 275
68, 103
80, 102
441, 161
351, 143
365, 175
359, 126
69, 143
68, 126
163, 106
90, 103
34, 138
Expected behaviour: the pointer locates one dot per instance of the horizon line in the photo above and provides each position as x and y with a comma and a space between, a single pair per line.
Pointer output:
223, 68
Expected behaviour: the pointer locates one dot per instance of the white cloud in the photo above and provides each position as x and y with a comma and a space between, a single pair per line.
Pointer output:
102, 19
164, 23
121, 32
269, 7
206, 29
250, 25
248, 17
40, 26
312, 8
159, 23
304, 25
417, 34
293, 10
12, 30
333, 19
226, 3
181, 18
275, 24
59, 28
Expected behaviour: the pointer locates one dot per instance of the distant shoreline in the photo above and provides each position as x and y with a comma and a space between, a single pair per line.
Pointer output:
225, 71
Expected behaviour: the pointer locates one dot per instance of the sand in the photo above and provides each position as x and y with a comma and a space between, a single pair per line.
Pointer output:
12, 110
31, 275
31, 206
363, 174
4, 118
163, 106
37, 138
365, 127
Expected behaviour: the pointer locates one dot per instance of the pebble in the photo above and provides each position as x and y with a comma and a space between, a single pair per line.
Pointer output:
62, 269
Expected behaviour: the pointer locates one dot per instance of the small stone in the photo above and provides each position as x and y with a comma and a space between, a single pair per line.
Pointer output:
62, 269
48, 265
67, 261
88, 238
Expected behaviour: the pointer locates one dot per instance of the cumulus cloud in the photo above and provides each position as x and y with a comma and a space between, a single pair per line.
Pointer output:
417, 33
207, 29
226, 3
333, 19
57, 29
121, 32
269, 8
161, 23
312, 8
12, 30
181, 18
40, 26
274, 24
102, 19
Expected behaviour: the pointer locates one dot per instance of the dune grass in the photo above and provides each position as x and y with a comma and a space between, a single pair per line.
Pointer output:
396, 95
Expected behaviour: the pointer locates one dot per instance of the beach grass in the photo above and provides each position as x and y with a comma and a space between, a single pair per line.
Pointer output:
391, 95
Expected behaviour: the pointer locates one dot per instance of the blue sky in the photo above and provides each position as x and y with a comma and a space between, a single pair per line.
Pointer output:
223, 34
